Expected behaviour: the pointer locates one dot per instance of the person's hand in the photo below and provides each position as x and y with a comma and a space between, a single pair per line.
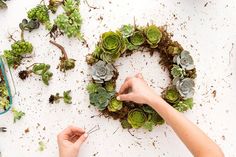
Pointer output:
137, 90
70, 140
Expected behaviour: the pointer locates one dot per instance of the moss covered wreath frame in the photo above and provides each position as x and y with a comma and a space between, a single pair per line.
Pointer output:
123, 42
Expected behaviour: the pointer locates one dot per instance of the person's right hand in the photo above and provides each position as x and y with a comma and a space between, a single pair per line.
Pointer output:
137, 90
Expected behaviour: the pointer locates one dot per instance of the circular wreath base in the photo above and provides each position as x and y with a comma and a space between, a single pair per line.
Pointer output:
124, 42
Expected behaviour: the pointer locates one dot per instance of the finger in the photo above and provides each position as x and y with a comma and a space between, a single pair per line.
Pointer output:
128, 78
139, 75
125, 97
81, 140
125, 86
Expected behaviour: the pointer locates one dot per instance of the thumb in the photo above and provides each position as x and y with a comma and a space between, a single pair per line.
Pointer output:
125, 97
81, 140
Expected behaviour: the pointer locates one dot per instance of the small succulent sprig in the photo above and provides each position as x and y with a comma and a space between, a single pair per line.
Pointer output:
56, 98
41, 14
70, 21
40, 69
65, 62
17, 115
29, 25
17, 52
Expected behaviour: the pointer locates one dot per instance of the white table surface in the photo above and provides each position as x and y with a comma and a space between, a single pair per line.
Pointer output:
205, 28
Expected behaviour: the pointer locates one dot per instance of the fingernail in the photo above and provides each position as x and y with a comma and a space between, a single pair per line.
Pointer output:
85, 135
118, 98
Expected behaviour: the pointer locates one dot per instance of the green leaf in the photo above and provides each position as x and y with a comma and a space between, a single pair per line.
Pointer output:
46, 77
66, 97
17, 114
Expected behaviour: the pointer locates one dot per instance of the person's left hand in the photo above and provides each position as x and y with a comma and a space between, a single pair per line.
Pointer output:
70, 140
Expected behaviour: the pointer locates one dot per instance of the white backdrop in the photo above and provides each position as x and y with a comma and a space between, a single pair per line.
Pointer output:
206, 29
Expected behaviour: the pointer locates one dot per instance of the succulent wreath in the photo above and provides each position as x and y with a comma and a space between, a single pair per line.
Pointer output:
123, 42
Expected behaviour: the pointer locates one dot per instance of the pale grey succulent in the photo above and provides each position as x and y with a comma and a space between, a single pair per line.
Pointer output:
185, 60
185, 87
101, 72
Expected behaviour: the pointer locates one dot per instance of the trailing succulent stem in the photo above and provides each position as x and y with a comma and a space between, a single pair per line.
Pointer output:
56, 98
65, 62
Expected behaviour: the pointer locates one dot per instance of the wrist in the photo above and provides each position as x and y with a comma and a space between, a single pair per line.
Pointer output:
154, 100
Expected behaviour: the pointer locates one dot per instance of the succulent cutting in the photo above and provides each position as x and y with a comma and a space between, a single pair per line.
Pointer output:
56, 98
40, 69
68, 22
115, 44
65, 62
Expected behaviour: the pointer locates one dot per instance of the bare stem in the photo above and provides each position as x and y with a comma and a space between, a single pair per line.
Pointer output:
86, 1
63, 51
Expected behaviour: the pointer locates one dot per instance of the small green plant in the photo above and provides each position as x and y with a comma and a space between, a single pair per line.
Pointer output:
40, 69
99, 96
65, 62
137, 118
18, 50
30, 25
17, 114
56, 98
40, 13
184, 105
153, 35
111, 46
70, 21
42, 146
172, 95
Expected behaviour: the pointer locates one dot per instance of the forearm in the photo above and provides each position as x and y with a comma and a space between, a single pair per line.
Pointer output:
195, 140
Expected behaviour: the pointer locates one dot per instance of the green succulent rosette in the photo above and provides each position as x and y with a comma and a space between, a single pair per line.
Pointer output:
115, 105
100, 98
153, 35
137, 39
136, 118
172, 95
112, 45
